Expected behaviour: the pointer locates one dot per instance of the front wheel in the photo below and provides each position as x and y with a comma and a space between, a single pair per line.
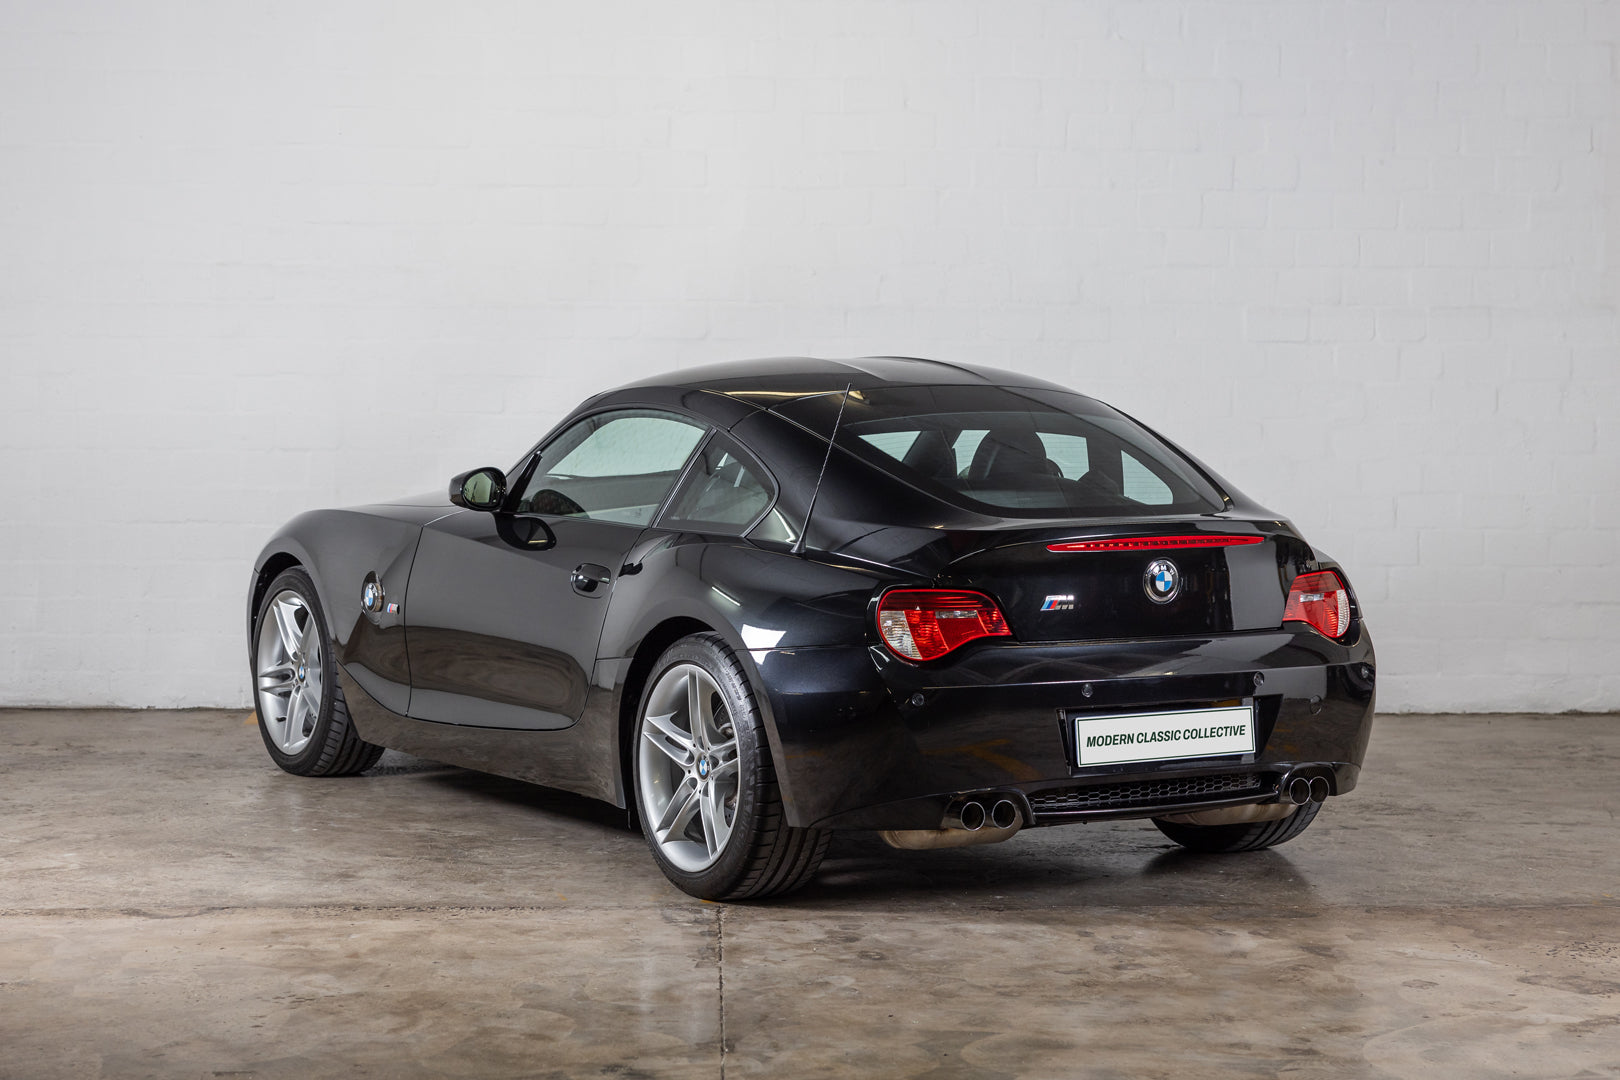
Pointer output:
1248, 836
705, 786
302, 715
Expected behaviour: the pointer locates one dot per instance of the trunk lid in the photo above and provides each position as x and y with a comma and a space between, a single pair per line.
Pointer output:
1164, 578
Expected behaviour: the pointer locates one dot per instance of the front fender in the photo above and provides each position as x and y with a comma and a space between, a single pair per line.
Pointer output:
341, 550
284, 549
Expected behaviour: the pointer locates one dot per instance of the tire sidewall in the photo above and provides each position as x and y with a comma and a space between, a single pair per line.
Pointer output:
297, 581
1228, 839
711, 654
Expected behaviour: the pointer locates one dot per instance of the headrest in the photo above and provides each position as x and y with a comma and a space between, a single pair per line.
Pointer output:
1007, 454
932, 456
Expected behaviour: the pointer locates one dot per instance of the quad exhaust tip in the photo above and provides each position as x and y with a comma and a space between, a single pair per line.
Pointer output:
1004, 814
1300, 790
979, 819
974, 813
968, 815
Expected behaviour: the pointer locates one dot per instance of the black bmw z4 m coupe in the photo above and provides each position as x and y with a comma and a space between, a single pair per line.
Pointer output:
758, 602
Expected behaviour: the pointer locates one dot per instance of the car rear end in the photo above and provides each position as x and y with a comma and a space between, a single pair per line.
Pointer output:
1120, 636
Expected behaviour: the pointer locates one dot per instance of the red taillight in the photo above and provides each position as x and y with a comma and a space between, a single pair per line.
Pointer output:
925, 624
1156, 543
1321, 600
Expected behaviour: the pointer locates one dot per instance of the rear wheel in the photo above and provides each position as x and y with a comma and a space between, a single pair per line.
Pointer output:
1249, 836
302, 715
705, 785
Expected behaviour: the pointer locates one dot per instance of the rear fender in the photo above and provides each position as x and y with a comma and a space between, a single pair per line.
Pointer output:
757, 599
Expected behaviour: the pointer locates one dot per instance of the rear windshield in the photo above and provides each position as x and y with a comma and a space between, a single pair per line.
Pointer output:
1028, 452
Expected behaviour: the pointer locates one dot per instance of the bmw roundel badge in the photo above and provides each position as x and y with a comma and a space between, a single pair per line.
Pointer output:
1162, 581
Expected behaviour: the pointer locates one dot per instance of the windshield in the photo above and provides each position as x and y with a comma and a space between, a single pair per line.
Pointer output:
1029, 452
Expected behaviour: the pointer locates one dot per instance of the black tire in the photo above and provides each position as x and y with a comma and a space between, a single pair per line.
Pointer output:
334, 747
1250, 836
762, 854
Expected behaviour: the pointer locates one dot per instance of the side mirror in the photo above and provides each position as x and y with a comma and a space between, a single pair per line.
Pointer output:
480, 489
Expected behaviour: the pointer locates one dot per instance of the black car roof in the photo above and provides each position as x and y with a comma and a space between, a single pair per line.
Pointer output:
766, 382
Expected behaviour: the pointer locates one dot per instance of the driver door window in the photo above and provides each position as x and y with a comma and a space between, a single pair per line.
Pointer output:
615, 466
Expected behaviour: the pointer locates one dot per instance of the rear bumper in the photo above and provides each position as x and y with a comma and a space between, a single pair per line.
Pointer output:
865, 741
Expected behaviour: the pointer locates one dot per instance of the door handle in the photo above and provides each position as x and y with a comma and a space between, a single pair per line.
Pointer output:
590, 578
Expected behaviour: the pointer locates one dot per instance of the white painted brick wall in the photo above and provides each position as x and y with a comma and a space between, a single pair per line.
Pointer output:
1361, 257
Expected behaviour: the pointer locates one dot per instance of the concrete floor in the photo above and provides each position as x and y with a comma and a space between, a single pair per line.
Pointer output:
171, 905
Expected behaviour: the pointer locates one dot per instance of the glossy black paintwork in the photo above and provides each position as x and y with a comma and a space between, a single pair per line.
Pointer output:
499, 637
516, 672
995, 719
1222, 589
341, 550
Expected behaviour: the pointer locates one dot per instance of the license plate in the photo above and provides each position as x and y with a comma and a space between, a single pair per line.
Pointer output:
1187, 733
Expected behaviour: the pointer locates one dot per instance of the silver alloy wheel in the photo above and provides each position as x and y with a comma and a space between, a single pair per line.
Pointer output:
686, 760
289, 671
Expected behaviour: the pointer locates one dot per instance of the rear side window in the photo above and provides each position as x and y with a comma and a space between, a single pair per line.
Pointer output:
1030, 452
1141, 485
722, 493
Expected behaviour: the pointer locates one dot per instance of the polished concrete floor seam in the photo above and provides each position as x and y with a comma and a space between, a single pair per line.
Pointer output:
720, 984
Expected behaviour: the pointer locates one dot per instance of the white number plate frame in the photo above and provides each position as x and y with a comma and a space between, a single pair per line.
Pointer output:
1163, 736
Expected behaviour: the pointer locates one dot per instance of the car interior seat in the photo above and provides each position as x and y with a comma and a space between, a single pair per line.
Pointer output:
1009, 457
